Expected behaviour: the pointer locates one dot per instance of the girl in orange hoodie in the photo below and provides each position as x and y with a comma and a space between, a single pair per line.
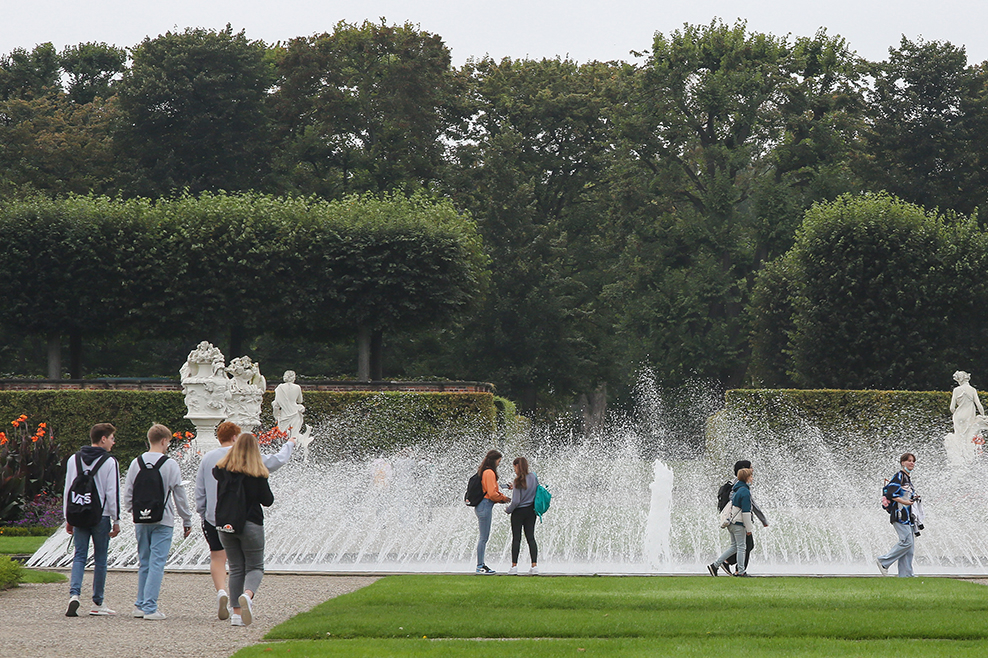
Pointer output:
492, 495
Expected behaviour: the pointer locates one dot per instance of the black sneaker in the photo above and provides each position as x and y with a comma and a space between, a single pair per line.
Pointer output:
712, 568
727, 569
743, 574
484, 569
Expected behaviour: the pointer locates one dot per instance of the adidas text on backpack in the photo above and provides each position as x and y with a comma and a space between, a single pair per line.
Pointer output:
84, 508
149, 500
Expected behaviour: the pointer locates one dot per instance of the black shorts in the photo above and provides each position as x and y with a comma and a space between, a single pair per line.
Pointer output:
212, 537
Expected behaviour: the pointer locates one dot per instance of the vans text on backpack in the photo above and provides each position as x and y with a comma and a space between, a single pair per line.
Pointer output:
85, 508
150, 498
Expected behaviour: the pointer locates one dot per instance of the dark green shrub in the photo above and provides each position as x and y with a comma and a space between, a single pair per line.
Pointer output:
10, 572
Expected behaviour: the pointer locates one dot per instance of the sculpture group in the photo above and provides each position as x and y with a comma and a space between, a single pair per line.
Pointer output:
215, 392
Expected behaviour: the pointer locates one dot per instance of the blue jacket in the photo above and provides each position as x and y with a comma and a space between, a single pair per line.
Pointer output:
900, 486
741, 496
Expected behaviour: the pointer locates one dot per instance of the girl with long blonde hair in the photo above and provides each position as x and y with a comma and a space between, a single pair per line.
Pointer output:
242, 471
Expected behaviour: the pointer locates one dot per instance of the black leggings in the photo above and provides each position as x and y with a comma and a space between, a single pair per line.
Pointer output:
523, 517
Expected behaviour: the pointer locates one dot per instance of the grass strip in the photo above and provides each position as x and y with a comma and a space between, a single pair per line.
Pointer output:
413, 606
745, 646
20, 545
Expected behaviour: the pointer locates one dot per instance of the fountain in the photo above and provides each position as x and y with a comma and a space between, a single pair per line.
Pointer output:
615, 507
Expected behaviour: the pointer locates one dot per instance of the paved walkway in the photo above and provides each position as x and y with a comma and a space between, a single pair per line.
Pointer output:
33, 622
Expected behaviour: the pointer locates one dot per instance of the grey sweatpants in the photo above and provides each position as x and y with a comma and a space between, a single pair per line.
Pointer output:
245, 557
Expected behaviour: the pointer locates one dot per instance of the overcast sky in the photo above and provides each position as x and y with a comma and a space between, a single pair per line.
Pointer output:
580, 29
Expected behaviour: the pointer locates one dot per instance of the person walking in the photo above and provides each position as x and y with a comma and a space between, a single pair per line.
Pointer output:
96, 461
905, 516
522, 511
485, 509
737, 520
154, 537
749, 541
242, 472
227, 434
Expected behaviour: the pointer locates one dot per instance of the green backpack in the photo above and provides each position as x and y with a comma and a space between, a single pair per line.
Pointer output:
542, 498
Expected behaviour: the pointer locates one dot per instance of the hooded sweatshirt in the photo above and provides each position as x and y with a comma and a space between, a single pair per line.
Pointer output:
107, 480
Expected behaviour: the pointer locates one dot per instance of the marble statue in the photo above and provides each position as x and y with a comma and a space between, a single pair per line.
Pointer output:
288, 409
247, 386
969, 420
207, 392
205, 382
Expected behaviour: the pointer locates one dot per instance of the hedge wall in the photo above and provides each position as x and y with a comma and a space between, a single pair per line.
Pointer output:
856, 420
360, 420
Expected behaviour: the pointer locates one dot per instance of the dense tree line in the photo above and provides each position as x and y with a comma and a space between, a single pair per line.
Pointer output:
647, 213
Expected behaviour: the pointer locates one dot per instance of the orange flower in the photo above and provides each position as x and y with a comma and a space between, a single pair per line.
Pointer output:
3, 438
42, 424
189, 435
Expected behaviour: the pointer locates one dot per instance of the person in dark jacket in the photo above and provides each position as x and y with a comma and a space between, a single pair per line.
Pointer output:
245, 549
749, 538
738, 523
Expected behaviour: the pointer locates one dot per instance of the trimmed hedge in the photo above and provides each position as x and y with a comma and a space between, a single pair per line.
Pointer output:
364, 420
859, 420
29, 531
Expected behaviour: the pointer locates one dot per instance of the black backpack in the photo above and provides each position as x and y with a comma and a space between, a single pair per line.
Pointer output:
231, 501
85, 508
149, 500
475, 491
724, 495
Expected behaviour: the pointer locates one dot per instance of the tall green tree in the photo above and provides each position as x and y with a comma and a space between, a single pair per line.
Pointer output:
726, 135
364, 109
193, 112
28, 74
91, 69
529, 175
927, 120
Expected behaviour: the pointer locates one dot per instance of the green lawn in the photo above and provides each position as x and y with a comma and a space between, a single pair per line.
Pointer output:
678, 616
12, 545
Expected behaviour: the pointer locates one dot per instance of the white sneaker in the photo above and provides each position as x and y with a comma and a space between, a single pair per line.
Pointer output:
236, 620
73, 610
157, 615
534, 571
882, 568
137, 613
101, 610
513, 571
246, 609
223, 603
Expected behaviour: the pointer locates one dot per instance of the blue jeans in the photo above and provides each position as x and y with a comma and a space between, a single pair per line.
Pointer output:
901, 552
484, 510
153, 543
738, 546
100, 534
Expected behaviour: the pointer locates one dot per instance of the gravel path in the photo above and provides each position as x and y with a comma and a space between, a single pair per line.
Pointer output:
33, 622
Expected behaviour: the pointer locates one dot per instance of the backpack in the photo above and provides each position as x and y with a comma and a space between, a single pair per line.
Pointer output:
724, 494
149, 501
542, 499
231, 502
475, 491
84, 508
889, 505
